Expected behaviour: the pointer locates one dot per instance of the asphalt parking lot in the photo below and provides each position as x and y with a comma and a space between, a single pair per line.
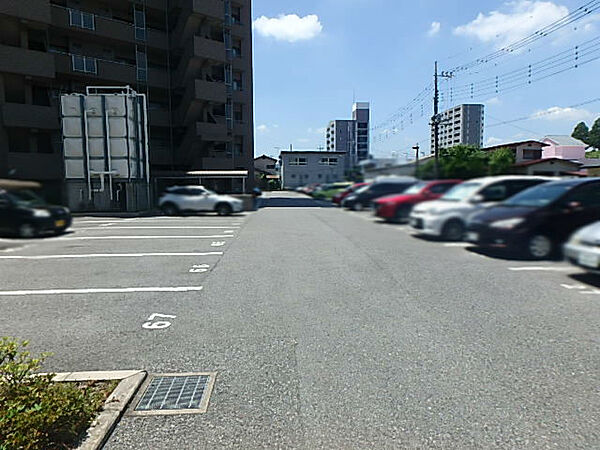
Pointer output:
327, 329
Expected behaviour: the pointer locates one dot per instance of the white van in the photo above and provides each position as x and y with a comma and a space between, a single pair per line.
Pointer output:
447, 217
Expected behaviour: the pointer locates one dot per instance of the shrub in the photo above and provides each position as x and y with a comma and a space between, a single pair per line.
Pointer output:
36, 413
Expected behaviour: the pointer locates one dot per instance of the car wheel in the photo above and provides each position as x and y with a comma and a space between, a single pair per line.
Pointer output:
27, 231
454, 230
170, 209
540, 247
224, 209
357, 207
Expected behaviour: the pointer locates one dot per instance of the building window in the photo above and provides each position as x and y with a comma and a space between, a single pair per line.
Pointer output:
139, 19
142, 66
293, 175
85, 64
328, 162
81, 19
271, 166
298, 161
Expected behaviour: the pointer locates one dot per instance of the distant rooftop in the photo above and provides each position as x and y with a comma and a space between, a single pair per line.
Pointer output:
565, 140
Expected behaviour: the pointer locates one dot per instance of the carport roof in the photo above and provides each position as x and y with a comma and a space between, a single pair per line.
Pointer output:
218, 173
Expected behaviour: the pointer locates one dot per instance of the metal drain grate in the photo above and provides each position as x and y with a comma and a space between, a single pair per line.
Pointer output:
186, 393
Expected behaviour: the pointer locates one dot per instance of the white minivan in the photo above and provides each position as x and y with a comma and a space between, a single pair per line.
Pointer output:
447, 217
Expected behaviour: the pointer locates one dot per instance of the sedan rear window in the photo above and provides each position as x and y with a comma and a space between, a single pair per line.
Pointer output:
538, 196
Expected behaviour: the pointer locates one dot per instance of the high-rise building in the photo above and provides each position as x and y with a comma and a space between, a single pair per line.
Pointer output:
192, 59
351, 136
461, 125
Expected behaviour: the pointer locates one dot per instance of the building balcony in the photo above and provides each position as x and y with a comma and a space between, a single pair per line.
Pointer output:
30, 116
34, 10
113, 71
216, 132
210, 91
208, 8
109, 28
26, 62
209, 49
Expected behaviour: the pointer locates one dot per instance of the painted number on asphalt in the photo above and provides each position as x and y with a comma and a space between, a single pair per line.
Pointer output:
199, 268
217, 244
153, 324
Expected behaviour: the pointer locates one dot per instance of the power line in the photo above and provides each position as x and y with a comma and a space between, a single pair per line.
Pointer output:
579, 13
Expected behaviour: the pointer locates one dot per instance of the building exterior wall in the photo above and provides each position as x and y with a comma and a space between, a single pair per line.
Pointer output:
302, 168
266, 164
549, 168
196, 71
461, 125
555, 150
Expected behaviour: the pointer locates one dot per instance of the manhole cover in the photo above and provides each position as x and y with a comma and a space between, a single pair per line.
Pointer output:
183, 393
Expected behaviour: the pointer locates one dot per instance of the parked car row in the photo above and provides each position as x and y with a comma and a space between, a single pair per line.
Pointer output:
534, 216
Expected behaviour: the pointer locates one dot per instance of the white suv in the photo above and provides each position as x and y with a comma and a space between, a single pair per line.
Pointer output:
179, 199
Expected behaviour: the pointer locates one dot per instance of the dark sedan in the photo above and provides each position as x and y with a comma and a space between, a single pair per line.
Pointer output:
25, 214
538, 220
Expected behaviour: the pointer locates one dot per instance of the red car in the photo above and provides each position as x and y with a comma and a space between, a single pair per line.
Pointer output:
396, 208
337, 199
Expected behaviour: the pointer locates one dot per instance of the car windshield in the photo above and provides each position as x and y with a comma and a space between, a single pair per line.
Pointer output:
541, 195
26, 198
415, 188
362, 189
461, 192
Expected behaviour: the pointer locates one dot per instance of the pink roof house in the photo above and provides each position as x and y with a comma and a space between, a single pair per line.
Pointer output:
563, 147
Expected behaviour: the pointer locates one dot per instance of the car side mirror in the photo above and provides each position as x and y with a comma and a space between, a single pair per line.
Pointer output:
572, 206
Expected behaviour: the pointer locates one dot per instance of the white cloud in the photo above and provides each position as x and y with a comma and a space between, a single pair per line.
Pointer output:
493, 101
556, 113
491, 141
303, 140
290, 27
262, 128
521, 18
317, 130
434, 29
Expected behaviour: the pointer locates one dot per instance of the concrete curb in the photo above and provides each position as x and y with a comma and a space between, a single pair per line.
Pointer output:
115, 405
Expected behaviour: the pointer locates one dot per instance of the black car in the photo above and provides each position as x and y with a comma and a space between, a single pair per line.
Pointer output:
364, 196
539, 219
25, 214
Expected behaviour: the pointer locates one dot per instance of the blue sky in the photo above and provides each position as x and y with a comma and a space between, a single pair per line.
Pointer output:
311, 58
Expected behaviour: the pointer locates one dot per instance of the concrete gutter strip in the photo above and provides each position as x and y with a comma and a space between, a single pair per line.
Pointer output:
115, 405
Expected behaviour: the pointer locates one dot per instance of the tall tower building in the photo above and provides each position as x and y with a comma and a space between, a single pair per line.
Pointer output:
461, 125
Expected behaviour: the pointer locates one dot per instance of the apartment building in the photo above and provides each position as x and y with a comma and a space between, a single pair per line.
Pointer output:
461, 125
191, 58
351, 136
307, 167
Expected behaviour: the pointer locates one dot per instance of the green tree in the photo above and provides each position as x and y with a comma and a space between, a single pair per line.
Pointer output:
594, 139
463, 161
501, 161
581, 132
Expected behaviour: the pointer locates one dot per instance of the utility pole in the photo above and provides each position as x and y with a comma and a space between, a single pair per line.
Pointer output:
436, 122
416, 149
436, 119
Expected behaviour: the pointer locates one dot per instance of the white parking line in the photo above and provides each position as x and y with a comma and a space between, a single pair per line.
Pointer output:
107, 238
157, 228
540, 269
100, 291
458, 244
107, 255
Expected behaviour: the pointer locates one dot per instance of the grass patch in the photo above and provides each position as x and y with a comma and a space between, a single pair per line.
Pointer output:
35, 412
